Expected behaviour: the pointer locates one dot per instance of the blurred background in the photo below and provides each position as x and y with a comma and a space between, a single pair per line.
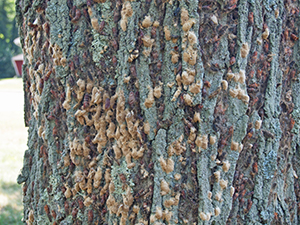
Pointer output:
8, 33
13, 134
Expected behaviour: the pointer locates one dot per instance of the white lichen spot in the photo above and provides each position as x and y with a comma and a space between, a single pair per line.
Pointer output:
258, 124
295, 174
241, 146
214, 19
232, 191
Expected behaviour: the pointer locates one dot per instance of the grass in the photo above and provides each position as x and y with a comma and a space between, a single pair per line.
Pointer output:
10, 203
12, 146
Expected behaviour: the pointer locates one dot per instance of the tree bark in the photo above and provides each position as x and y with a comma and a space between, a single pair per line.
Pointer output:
161, 112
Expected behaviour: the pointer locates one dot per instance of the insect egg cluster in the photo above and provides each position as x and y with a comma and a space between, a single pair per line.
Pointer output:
125, 13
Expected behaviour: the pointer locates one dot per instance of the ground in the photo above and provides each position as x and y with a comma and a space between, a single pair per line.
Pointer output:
13, 136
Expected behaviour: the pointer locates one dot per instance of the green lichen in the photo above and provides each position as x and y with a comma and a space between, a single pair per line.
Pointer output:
115, 174
159, 146
67, 221
80, 216
98, 44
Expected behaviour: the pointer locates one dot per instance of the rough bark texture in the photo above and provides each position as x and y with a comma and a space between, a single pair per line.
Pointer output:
152, 112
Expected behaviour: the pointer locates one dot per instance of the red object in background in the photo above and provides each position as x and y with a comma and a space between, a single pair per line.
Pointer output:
18, 62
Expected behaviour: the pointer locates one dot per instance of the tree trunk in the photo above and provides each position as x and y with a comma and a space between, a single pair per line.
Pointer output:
161, 112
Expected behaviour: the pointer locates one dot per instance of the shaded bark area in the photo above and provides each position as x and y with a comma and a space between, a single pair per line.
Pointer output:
161, 112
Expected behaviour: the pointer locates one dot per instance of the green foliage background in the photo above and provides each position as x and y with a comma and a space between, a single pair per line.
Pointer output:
8, 32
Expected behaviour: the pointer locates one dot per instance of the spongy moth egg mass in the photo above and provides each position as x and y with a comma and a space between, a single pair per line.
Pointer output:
147, 22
